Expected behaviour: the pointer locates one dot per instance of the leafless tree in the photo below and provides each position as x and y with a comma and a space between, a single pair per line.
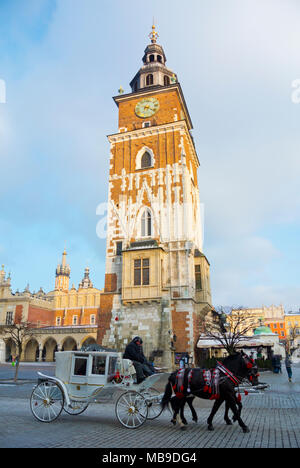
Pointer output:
292, 338
19, 333
230, 327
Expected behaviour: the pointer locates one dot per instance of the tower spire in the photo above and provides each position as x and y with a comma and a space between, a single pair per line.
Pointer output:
154, 71
64, 258
62, 274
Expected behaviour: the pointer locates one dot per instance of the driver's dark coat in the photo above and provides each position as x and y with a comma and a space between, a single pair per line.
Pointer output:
134, 352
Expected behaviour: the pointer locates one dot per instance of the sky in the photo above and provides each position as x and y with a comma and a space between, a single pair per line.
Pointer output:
61, 61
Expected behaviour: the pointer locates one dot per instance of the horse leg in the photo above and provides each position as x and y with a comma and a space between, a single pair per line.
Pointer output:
240, 407
233, 406
177, 406
226, 417
184, 421
213, 412
190, 403
181, 404
175, 409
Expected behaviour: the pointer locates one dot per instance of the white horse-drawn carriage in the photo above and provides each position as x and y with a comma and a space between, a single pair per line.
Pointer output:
95, 377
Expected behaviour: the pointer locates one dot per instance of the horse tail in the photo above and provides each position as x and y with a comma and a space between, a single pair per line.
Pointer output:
167, 396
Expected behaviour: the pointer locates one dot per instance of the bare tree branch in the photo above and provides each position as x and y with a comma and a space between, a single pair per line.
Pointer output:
19, 333
229, 329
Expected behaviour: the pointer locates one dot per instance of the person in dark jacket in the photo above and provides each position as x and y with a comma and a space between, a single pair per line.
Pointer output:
134, 352
288, 366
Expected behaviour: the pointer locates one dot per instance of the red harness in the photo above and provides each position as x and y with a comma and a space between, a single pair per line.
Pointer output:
227, 372
178, 386
211, 380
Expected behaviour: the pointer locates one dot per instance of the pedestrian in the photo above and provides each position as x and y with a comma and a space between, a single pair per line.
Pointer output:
288, 365
273, 361
276, 364
134, 352
280, 358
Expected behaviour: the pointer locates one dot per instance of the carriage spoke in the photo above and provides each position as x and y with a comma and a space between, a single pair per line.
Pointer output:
39, 393
131, 409
47, 401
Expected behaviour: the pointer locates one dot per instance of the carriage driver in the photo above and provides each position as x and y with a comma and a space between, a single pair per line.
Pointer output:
134, 352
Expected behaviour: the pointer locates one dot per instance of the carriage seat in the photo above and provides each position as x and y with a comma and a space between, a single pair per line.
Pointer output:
128, 367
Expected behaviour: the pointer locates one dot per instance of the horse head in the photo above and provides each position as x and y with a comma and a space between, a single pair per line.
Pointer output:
242, 366
251, 370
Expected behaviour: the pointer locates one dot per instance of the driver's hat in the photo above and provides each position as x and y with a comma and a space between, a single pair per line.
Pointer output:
137, 338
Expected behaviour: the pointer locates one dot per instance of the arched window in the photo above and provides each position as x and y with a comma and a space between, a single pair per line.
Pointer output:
166, 80
146, 223
143, 160
146, 160
151, 58
149, 80
159, 58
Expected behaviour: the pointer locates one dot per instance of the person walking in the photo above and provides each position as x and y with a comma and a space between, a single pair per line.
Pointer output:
134, 352
288, 366
279, 363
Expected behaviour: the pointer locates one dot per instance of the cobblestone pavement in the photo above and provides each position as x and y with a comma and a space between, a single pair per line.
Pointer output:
273, 419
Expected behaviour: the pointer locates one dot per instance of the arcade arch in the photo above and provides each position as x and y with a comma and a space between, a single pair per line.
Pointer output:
10, 349
49, 350
69, 344
31, 352
88, 341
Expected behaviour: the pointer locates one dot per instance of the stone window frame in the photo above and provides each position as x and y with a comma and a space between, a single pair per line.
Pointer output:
118, 252
9, 318
141, 271
146, 234
139, 156
198, 278
76, 319
93, 319
150, 79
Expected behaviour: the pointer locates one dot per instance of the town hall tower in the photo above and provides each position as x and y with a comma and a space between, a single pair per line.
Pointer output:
157, 282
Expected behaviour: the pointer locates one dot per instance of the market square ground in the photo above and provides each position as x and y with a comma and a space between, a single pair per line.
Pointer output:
273, 419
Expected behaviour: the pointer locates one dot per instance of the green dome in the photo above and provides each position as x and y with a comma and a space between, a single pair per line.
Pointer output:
263, 331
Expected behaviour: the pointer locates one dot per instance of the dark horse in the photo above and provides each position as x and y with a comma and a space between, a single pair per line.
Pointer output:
231, 372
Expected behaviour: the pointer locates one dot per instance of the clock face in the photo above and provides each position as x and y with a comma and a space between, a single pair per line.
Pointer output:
147, 107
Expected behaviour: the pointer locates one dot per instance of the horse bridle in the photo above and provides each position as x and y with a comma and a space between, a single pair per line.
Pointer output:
251, 366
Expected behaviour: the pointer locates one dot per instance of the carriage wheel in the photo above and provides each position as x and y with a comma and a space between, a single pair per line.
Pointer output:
154, 405
47, 401
76, 407
131, 409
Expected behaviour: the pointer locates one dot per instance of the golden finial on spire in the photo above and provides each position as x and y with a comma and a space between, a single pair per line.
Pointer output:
153, 35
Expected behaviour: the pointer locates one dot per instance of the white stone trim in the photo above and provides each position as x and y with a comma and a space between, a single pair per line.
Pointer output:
180, 126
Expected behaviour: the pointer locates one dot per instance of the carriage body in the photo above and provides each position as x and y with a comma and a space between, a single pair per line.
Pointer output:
83, 377
87, 374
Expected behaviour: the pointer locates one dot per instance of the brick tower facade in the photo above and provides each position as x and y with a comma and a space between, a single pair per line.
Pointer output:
157, 281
